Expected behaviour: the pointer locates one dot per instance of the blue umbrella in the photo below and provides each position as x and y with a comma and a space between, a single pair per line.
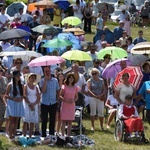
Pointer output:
109, 36
63, 4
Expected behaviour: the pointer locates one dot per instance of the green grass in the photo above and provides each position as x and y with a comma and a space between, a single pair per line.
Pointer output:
103, 140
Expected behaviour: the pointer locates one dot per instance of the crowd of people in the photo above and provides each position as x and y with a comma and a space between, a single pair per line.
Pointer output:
45, 94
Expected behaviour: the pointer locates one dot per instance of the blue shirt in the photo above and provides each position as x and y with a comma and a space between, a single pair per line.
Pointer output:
143, 92
52, 86
99, 22
138, 40
118, 33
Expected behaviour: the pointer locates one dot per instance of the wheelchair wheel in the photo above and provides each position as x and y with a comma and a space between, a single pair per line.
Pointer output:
119, 130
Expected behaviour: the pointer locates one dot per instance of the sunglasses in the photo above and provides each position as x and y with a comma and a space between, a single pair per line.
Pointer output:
94, 73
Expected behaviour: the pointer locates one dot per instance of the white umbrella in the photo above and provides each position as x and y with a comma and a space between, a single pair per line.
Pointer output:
138, 59
14, 49
24, 55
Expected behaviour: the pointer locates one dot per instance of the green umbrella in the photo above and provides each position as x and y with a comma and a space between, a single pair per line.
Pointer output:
74, 21
57, 43
77, 55
115, 52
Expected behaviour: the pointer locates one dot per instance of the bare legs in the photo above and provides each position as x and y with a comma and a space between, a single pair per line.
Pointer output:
31, 126
58, 120
110, 118
101, 120
68, 128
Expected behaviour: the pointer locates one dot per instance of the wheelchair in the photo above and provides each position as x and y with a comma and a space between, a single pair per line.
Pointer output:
121, 135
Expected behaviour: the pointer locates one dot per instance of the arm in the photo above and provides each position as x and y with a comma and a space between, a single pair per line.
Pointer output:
76, 95
61, 95
117, 93
25, 95
38, 96
89, 90
43, 86
120, 113
107, 104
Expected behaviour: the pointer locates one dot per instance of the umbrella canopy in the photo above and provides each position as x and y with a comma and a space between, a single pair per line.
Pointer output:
135, 76
77, 31
13, 34
24, 55
46, 29
45, 4
110, 9
141, 48
77, 55
138, 59
14, 49
115, 52
109, 36
46, 61
57, 43
63, 4
74, 21
113, 68
32, 7
13, 8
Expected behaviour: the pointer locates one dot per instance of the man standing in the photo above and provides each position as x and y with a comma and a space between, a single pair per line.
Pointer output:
140, 38
49, 88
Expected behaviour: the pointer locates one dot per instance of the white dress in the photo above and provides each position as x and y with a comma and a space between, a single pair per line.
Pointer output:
31, 116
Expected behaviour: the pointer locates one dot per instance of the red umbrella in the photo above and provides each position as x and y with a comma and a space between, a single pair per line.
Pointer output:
135, 76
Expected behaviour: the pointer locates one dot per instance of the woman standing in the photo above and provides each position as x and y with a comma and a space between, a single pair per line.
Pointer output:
45, 19
14, 109
124, 88
31, 101
96, 90
3, 85
57, 16
87, 18
60, 78
68, 95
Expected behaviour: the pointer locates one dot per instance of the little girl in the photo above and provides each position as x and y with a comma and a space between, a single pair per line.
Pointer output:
127, 25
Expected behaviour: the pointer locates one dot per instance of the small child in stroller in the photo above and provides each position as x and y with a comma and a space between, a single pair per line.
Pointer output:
128, 113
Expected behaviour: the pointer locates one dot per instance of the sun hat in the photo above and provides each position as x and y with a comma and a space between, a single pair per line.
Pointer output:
71, 74
38, 78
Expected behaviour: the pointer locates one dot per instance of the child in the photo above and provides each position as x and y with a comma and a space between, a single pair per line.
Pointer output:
129, 114
127, 25
99, 23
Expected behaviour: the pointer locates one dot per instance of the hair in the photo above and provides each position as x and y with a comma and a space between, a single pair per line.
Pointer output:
106, 56
125, 75
15, 92
144, 65
129, 38
94, 70
128, 97
67, 79
18, 59
140, 31
59, 73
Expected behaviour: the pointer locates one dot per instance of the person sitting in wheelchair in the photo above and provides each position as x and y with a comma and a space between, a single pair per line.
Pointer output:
128, 113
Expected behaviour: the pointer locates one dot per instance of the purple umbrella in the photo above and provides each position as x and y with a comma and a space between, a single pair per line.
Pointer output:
113, 68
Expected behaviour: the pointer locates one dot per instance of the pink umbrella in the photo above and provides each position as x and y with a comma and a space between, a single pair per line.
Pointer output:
46, 61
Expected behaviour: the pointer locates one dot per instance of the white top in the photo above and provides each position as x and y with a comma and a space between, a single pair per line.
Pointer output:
120, 110
124, 90
4, 45
94, 6
112, 100
3, 19
23, 17
99, 45
81, 82
78, 13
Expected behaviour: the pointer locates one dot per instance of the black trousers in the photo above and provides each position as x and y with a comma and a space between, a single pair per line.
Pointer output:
45, 111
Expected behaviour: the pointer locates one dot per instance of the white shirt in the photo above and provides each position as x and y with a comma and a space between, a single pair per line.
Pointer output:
4, 45
3, 19
78, 13
23, 17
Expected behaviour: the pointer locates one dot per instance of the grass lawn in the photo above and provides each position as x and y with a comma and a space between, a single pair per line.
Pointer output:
104, 140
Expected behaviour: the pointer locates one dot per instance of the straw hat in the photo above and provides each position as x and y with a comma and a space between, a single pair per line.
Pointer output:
38, 78
71, 74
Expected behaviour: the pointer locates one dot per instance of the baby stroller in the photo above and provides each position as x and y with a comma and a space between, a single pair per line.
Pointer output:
120, 133
77, 126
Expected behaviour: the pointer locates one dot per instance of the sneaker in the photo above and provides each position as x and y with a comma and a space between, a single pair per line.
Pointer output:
92, 129
37, 133
107, 126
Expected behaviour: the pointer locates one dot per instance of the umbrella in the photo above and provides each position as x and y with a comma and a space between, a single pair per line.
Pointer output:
115, 52
46, 61
100, 6
13, 8
45, 4
109, 36
32, 7
13, 34
14, 49
135, 76
138, 59
63, 4
47, 29
57, 43
113, 68
77, 55
77, 31
24, 55
141, 48
74, 21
